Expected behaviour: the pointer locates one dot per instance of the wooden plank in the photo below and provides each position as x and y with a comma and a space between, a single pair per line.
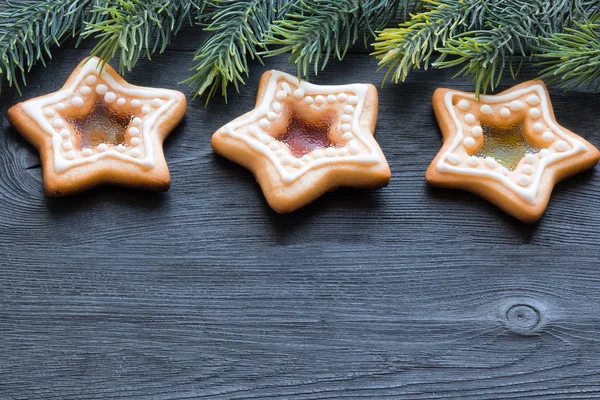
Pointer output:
203, 292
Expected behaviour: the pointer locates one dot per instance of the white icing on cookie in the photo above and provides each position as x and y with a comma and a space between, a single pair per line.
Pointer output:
527, 184
88, 74
361, 147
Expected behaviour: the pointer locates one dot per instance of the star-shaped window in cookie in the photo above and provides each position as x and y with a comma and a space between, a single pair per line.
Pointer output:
507, 148
302, 140
100, 129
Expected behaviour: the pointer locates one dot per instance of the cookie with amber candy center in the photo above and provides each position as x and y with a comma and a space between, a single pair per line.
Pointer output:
302, 140
100, 129
507, 148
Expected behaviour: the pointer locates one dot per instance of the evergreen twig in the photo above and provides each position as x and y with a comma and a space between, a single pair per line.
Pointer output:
236, 29
484, 37
573, 56
131, 28
312, 31
29, 28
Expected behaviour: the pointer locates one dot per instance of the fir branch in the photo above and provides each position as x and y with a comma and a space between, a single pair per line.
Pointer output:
573, 57
237, 28
411, 45
131, 28
484, 37
29, 28
315, 30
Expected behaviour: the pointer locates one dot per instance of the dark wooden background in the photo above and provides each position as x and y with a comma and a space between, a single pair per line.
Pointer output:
407, 292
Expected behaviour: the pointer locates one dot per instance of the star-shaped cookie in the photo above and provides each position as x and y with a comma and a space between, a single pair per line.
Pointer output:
507, 148
302, 140
100, 129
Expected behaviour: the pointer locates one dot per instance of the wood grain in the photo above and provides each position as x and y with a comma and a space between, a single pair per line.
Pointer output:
203, 292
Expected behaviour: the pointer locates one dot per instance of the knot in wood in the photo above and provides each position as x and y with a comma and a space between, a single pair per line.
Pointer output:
523, 318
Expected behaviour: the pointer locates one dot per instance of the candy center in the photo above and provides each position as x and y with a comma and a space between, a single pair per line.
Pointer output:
303, 136
101, 125
506, 145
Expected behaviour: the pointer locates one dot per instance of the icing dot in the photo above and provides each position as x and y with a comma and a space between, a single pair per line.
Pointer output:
145, 110
505, 112
545, 153
346, 118
320, 99
121, 101
490, 162
254, 130
102, 147
296, 162
77, 102
156, 102
352, 100
110, 97
464, 105
529, 158
532, 100
453, 158
58, 123
276, 107
469, 118
280, 153
469, 142
271, 115
308, 100
561, 145
286, 160
347, 136
477, 131
274, 145
528, 169
348, 109
135, 141
538, 127
282, 94
331, 98
286, 87
71, 154
516, 105
504, 171
534, 113
135, 103
342, 97
91, 79
306, 158
345, 127
49, 112
101, 89
330, 152
523, 180
298, 93
136, 121
134, 153
133, 131
473, 161
60, 106
87, 152
67, 146
264, 138
353, 147
65, 133
121, 148
343, 151
264, 123
85, 90
486, 110
317, 153
548, 136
